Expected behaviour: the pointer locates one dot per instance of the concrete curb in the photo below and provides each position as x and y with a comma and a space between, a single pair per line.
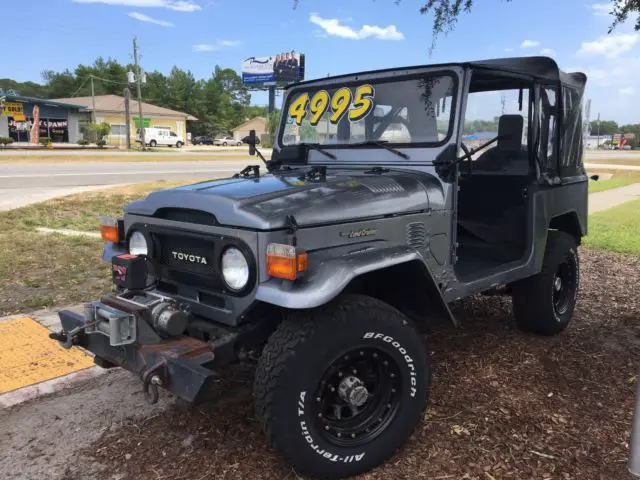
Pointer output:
66, 232
32, 392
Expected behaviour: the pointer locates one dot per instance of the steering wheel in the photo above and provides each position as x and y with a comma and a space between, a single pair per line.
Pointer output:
467, 154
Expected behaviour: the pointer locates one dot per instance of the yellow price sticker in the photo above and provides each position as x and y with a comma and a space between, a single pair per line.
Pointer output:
358, 104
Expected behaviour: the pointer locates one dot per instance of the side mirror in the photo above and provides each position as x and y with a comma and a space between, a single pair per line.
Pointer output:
595, 178
251, 140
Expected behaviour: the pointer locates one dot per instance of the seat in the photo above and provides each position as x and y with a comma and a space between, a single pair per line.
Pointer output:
509, 155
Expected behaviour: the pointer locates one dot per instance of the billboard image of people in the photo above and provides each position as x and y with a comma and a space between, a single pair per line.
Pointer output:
282, 69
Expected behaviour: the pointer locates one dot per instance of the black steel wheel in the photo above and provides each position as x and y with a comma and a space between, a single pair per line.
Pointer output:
544, 303
339, 389
358, 396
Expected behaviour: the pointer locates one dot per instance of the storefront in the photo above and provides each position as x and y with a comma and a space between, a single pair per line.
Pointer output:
56, 120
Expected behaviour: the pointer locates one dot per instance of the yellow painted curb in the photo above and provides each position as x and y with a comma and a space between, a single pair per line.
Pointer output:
28, 356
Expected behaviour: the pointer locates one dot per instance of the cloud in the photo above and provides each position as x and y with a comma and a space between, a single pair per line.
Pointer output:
229, 43
600, 9
626, 91
611, 46
205, 47
146, 18
176, 5
214, 47
508, 50
333, 27
547, 51
530, 44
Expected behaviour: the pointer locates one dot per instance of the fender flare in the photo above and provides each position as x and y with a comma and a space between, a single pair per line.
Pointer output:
329, 277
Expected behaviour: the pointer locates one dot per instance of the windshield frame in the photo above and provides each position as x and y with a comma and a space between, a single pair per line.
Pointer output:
375, 79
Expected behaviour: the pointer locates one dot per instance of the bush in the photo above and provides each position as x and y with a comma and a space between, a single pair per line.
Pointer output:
83, 142
101, 143
44, 141
4, 141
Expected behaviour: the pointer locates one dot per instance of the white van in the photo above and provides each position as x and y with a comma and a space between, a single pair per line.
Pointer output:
160, 136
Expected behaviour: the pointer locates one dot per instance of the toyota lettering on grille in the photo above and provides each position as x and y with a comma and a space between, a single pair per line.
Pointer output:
190, 258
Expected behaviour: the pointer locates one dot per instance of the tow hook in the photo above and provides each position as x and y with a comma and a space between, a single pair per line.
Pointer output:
68, 339
151, 380
150, 388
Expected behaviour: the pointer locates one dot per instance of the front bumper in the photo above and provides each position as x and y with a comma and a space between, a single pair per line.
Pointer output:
179, 364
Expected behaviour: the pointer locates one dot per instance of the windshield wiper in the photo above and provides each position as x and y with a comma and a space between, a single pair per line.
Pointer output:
316, 146
379, 143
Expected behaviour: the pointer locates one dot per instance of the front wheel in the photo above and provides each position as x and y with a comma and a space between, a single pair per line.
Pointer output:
153, 143
224, 144
179, 145
339, 389
238, 144
544, 303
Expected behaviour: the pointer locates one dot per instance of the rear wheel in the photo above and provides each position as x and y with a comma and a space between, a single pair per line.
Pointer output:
339, 389
224, 144
544, 303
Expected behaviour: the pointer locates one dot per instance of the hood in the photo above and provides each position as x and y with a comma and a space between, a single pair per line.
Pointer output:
263, 203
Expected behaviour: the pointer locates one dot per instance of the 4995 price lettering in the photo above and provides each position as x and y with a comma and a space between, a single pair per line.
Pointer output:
357, 105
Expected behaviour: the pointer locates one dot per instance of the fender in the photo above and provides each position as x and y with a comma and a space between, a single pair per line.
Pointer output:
328, 276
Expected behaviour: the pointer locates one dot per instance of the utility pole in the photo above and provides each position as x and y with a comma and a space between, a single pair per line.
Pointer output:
127, 116
598, 144
93, 102
139, 91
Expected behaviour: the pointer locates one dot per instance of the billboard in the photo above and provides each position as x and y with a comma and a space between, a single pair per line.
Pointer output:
278, 69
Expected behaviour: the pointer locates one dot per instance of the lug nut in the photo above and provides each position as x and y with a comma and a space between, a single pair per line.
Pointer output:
353, 435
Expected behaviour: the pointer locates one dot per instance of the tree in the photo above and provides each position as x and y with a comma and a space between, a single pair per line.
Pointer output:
446, 13
607, 127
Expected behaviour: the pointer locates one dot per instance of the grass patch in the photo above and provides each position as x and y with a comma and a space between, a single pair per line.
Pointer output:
620, 178
40, 271
616, 229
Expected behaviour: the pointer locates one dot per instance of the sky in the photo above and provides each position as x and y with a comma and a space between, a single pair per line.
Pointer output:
337, 37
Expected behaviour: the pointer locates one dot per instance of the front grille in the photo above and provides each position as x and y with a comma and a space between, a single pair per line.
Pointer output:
187, 254
189, 261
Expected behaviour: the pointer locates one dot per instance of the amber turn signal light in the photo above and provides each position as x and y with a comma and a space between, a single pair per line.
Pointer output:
285, 261
110, 229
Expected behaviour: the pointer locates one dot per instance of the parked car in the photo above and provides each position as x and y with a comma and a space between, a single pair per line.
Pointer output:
154, 136
224, 141
328, 266
246, 140
203, 140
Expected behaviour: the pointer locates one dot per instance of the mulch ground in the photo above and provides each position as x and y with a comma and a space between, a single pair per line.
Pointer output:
504, 405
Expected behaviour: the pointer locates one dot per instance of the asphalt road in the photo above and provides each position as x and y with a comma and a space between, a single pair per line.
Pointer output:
49, 175
21, 184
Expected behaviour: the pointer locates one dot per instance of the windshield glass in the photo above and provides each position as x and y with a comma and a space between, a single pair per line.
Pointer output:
403, 111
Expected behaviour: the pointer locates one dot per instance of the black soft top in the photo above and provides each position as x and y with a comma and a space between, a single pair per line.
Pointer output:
541, 68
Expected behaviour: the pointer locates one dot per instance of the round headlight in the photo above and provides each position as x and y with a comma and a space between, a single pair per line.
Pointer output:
235, 269
138, 244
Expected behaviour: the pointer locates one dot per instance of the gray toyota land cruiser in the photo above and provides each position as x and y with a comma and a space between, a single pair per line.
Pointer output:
388, 195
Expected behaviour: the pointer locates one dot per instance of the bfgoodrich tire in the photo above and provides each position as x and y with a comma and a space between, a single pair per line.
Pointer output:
339, 389
544, 303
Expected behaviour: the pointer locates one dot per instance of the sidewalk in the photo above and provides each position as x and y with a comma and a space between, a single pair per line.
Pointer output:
611, 166
610, 198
